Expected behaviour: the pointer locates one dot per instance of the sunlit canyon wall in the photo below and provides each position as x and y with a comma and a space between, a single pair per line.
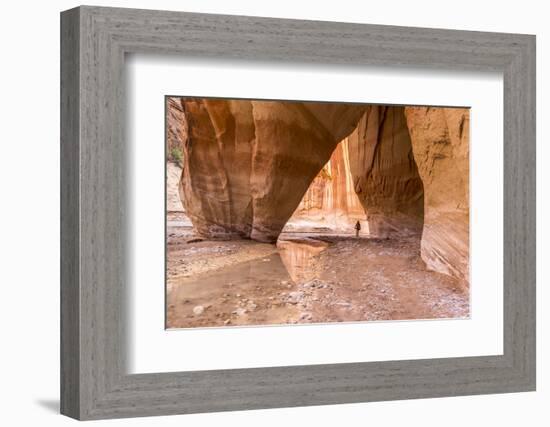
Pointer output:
331, 201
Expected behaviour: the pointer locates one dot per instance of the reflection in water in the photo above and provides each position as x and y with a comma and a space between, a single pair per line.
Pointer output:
318, 278
265, 289
300, 258
293, 260
259, 272
243, 293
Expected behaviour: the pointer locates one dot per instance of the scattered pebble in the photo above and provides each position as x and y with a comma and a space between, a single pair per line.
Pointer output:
195, 240
294, 297
305, 316
343, 304
338, 294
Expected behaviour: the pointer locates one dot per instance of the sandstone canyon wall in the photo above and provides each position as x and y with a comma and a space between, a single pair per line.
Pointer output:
410, 167
247, 164
176, 129
440, 141
330, 200
384, 172
176, 136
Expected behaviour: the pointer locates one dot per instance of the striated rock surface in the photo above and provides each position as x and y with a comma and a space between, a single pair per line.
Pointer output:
173, 200
384, 172
247, 164
330, 200
440, 140
176, 129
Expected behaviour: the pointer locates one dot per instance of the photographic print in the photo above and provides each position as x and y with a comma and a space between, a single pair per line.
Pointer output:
295, 212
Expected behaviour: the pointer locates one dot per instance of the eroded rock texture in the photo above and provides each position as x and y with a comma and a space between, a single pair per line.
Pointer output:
440, 140
331, 196
176, 129
247, 164
385, 175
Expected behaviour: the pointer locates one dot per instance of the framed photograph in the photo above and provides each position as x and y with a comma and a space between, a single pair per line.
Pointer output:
292, 219
261, 213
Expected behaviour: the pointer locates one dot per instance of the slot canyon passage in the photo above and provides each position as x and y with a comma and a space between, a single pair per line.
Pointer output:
283, 212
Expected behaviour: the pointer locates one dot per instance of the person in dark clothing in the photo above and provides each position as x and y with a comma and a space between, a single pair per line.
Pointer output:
357, 228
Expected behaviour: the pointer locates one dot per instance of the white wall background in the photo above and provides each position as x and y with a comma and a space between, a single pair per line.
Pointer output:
29, 212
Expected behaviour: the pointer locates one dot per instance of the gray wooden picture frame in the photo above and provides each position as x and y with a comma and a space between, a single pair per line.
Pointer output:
94, 382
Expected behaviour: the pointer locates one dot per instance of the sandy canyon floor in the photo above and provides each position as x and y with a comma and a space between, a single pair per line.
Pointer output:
308, 277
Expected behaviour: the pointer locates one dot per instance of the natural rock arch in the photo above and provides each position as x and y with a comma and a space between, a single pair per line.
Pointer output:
247, 165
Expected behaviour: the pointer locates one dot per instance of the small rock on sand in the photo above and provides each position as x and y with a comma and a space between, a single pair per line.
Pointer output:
294, 297
198, 310
240, 311
195, 240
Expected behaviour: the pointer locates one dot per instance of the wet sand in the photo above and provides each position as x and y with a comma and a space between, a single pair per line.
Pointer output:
308, 277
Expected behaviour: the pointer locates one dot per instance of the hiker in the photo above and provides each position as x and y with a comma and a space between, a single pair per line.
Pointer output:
357, 228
